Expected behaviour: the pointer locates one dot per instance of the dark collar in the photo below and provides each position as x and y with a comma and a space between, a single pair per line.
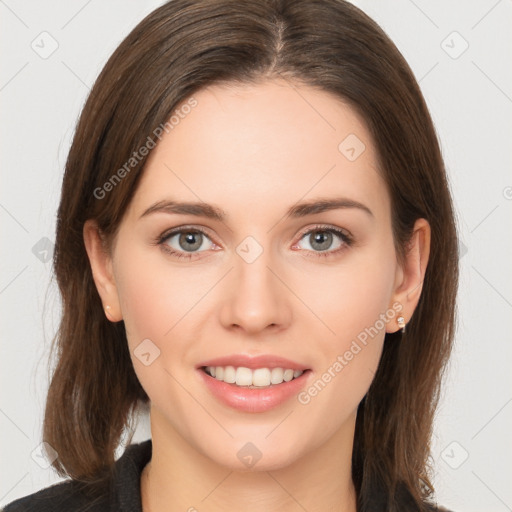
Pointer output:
125, 486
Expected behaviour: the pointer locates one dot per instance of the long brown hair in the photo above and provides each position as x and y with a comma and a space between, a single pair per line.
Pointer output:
178, 49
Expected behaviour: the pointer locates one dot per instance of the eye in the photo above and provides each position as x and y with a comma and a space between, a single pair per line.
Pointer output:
325, 241
185, 242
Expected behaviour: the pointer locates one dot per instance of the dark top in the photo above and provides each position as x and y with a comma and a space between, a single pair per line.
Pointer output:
70, 496
123, 494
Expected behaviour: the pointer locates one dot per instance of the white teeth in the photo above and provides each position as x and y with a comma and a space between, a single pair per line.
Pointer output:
243, 376
288, 375
260, 377
229, 374
276, 377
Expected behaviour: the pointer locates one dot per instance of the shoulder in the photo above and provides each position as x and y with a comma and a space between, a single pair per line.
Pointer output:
69, 496
120, 491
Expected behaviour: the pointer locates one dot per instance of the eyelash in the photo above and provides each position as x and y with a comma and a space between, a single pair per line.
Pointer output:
343, 235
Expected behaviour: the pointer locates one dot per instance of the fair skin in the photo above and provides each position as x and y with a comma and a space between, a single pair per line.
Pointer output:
256, 151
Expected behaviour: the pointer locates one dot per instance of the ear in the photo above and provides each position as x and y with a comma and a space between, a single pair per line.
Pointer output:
411, 273
101, 266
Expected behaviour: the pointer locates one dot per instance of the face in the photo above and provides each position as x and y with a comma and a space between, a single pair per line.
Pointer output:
297, 263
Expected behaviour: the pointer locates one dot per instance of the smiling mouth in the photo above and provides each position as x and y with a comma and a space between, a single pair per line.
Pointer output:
258, 378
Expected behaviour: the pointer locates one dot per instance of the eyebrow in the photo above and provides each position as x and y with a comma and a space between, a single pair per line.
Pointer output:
298, 210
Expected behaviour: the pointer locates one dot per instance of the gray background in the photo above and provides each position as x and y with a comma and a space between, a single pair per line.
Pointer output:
460, 52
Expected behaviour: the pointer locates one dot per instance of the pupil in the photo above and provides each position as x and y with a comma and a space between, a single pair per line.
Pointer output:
323, 239
194, 239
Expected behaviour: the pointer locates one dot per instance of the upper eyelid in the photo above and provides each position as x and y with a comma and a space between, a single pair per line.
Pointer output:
180, 229
326, 227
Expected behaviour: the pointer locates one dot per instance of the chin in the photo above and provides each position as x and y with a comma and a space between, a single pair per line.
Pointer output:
252, 454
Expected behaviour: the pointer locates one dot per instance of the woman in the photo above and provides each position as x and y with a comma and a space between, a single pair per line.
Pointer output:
256, 239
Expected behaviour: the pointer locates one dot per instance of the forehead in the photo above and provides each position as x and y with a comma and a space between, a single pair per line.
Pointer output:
256, 147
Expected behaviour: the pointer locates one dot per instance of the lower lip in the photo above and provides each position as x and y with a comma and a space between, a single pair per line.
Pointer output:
252, 399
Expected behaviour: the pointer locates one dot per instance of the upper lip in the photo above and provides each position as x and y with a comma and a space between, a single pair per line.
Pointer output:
253, 362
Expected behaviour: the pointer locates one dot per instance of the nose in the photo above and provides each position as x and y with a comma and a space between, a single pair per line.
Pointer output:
256, 299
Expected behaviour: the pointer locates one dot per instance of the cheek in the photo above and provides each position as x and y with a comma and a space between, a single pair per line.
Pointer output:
154, 295
151, 306
354, 306
350, 297
160, 303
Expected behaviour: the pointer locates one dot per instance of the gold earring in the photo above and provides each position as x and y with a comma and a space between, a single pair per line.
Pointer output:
401, 323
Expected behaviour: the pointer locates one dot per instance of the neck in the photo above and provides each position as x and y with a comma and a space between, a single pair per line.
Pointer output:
179, 478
